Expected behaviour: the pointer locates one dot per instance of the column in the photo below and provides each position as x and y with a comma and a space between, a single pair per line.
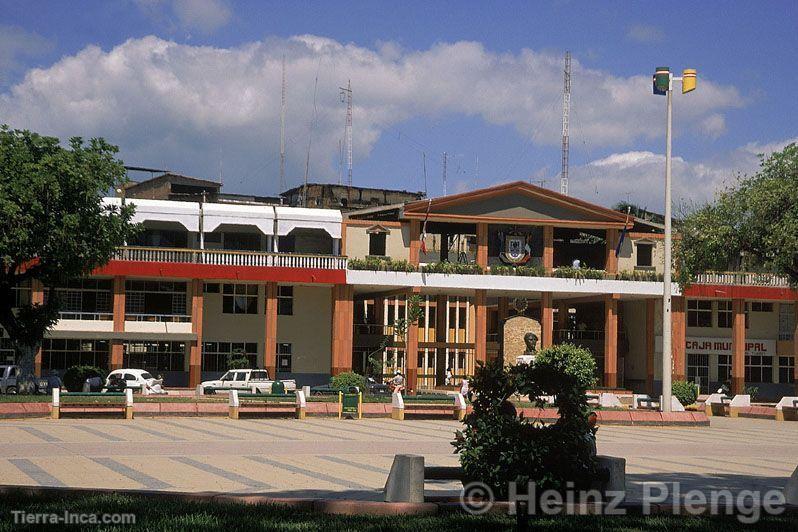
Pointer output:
611, 264
738, 346
548, 248
343, 316
37, 298
503, 308
562, 315
195, 354
415, 241
482, 245
547, 320
678, 338
270, 336
611, 340
117, 349
480, 326
651, 305
411, 349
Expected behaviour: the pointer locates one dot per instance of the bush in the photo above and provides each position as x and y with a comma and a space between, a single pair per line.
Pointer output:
639, 275
75, 376
578, 273
521, 271
452, 267
379, 264
238, 362
685, 392
753, 391
498, 447
343, 381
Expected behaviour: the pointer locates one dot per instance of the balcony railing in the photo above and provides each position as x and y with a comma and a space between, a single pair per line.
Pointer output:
743, 278
161, 318
231, 258
86, 316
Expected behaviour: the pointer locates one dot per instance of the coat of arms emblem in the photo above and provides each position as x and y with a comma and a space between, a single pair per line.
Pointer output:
516, 249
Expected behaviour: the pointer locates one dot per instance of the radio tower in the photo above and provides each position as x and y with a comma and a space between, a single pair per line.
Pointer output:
282, 135
346, 96
566, 108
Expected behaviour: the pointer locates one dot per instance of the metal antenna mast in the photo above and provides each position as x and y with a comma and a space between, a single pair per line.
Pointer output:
346, 95
566, 108
444, 173
282, 134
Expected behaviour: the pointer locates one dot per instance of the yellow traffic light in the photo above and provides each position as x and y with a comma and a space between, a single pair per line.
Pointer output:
688, 80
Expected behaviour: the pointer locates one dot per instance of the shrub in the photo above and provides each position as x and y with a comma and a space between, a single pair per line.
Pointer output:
498, 447
238, 362
753, 391
379, 264
685, 392
639, 275
343, 381
75, 376
521, 271
578, 273
452, 268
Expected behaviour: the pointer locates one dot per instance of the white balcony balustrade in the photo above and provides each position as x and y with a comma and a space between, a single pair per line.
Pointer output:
232, 258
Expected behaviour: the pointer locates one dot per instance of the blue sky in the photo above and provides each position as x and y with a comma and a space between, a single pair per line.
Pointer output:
190, 84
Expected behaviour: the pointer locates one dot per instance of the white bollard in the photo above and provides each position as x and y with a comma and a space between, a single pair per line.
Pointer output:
397, 407
459, 407
738, 402
301, 404
609, 400
234, 404
128, 403
55, 408
200, 390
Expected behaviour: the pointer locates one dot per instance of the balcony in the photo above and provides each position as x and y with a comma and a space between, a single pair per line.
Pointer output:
231, 258
743, 279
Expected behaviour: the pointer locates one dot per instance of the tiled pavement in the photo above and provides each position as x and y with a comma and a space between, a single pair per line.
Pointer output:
328, 457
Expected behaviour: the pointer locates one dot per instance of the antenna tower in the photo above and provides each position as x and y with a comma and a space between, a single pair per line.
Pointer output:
282, 134
566, 108
346, 96
444, 172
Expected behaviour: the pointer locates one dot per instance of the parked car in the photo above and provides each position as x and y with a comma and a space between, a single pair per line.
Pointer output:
136, 379
246, 380
8, 379
372, 387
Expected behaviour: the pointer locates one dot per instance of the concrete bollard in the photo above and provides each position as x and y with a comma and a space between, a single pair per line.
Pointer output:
787, 409
609, 400
791, 489
234, 404
617, 469
737, 403
406, 480
301, 404
200, 390
128, 403
306, 391
55, 407
398, 407
460, 407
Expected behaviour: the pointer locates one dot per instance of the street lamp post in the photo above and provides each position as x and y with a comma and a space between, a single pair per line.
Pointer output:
663, 85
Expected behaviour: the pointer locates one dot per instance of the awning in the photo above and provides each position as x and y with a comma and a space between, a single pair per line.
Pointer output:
290, 218
260, 216
186, 213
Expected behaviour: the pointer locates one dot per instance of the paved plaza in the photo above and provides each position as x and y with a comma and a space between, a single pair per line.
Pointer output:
328, 457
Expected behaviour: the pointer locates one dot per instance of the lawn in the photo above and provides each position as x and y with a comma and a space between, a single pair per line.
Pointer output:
165, 513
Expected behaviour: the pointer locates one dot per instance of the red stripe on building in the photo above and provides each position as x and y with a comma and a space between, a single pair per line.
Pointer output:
213, 271
741, 292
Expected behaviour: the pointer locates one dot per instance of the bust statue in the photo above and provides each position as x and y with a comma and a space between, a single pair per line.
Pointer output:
531, 340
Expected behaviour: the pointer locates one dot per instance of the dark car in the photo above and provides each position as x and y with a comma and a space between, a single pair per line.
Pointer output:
372, 387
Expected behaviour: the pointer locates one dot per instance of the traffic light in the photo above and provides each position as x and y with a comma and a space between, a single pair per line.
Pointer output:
662, 80
688, 80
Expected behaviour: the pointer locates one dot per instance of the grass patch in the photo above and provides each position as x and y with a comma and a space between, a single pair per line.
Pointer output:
165, 513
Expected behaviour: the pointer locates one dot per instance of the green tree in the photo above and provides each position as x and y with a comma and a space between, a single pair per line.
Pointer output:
54, 226
751, 226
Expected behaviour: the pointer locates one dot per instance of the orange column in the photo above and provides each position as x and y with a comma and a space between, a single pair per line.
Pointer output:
117, 349
195, 353
482, 245
342, 325
548, 248
270, 337
679, 338
37, 298
480, 326
415, 241
611, 340
738, 346
547, 320
411, 350
562, 315
611, 264
651, 305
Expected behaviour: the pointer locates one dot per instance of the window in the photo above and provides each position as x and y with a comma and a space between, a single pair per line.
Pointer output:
155, 301
786, 370
242, 241
699, 313
644, 255
213, 238
759, 306
161, 238
60, 353
786, 321
216, 356
211, 288
155, 356
377, 244
698, 371
758, 368
725, 314
724, 367
87, 299
240, 299
285, 300
284, 358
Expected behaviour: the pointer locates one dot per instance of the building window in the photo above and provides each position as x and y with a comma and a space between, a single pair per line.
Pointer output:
216, 356
724, 368
155, 300
377, 244
698, 371
240, 299
161, 238
211, 288
759, 306
87, 299
725, 314
644, 255
242, 241
786, 321
285, 300
155, 356
758, 368
284, 358
61, 354
786, 370
699, 313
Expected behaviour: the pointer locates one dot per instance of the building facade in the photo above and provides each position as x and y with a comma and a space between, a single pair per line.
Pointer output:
308, 293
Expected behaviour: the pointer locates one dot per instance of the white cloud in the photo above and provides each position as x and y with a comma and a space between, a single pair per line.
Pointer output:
713, 126
16, 43
644, 33
176, 105
205, 16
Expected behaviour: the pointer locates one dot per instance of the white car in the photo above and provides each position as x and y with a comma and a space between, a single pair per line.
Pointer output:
250, 380
137, 378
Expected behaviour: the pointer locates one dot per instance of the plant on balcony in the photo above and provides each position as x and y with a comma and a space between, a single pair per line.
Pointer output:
567, 272
452, 268
498, 446
54, 228
379, 264
751, 226
521, 271
639, 275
